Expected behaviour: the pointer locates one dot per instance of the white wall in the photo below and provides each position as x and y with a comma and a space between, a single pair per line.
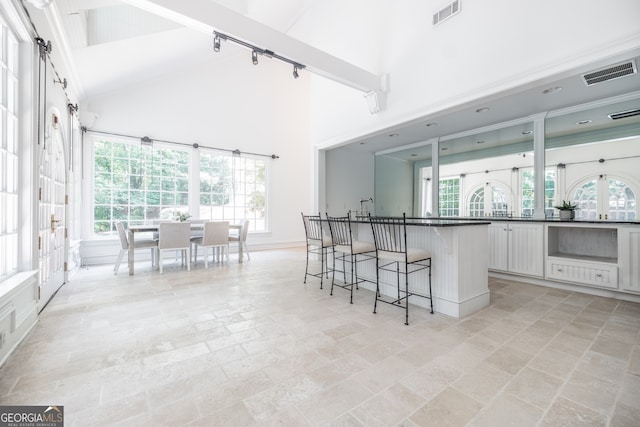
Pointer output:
229, 105
491, 46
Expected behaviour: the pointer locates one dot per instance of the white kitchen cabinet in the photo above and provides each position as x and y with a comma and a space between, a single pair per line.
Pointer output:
590, 273
517, 247
629, 258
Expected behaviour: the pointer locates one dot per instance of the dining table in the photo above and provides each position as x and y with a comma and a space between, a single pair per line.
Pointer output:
147, 228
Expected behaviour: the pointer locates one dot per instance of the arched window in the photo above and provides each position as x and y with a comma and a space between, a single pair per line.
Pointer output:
606, 198
496, 205
476, 203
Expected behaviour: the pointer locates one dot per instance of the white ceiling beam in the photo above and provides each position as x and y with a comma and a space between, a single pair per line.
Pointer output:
207, 16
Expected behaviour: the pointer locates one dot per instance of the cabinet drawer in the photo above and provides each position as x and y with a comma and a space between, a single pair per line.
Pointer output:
585, 273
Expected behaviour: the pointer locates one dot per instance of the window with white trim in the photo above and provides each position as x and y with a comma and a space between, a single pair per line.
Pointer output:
137, 184
449, 196
9, 93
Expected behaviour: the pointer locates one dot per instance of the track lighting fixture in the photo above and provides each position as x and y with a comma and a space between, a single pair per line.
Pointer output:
255, 51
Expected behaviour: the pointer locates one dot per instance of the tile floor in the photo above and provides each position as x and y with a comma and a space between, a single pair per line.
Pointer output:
250, 344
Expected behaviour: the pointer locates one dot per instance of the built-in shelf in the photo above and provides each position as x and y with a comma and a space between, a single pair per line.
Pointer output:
583, 243
583, 257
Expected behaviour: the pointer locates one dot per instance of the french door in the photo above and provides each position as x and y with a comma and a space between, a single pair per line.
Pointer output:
52, 196
605, 198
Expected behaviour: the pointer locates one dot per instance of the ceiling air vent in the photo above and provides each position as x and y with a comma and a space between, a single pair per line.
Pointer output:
446, 12
624, 114
610, 73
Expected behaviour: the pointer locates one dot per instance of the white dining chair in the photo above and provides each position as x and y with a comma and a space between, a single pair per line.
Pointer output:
138, 244
174, 236
215, 236
241, 238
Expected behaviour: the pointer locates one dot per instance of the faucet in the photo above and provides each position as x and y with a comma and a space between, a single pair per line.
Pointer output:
362, 202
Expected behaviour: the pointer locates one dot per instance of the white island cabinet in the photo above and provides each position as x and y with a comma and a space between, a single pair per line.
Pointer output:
459, 252
516, 247
629, 258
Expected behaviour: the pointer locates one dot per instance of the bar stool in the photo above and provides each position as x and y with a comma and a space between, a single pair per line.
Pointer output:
343, 243
317, 243
390, 237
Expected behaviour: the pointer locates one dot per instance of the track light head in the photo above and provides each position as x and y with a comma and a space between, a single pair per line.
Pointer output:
254, 57
216, 43
295, 72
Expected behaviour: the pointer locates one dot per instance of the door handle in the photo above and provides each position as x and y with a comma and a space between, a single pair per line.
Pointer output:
54, 221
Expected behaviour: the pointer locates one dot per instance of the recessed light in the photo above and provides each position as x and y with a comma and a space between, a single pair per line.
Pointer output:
482, 110
414, 155
480, 142
583, 122
393, 135
444, 149
552, 90
431, 124
527, 132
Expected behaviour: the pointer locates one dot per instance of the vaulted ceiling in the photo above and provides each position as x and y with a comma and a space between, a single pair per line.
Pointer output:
118, 43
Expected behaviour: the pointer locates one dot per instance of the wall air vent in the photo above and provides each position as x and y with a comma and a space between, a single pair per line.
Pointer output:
610, 73
624, 114
446, 12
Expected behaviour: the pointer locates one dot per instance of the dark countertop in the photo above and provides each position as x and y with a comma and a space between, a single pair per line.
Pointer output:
546, 220
436, 222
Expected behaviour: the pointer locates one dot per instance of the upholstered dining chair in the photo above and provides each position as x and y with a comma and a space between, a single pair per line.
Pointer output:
241, 238
215, 236
138, 244
174, 236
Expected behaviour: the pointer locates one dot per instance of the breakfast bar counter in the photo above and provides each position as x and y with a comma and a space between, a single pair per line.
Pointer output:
459, 251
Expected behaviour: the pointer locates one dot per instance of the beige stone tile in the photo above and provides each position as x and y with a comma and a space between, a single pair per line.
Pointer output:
535, 387
507, 410
388, 407
554, 363
464, 357
232, 416
594, 393
581, 330
449, 408
212, 399
630, 391
625, 416
509, 359
634, 363
570, 344
347, 420
602, 366
331, 403
484, 383
612, 347
565, 413
384, 373
281, 397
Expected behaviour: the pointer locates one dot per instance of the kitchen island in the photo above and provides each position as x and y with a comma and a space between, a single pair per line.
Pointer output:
459, 251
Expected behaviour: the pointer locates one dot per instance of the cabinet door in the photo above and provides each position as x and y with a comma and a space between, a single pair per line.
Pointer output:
526, 252
498, 246
629, 258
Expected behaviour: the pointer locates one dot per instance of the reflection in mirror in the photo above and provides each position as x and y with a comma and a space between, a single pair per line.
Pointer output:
402, 182
595, 154
488, 174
